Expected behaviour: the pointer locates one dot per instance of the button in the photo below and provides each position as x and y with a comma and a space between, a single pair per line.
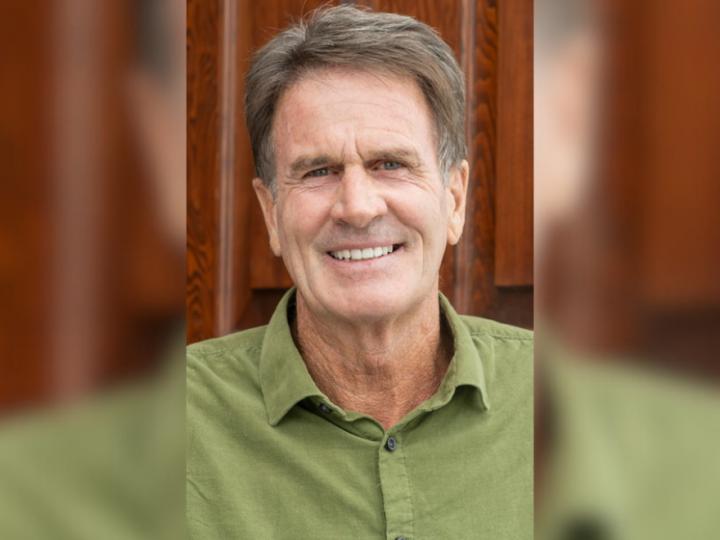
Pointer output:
324, 408
400, 538
391, 444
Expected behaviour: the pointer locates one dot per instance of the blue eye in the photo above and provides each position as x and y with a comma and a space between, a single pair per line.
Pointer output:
324, 171
391, 165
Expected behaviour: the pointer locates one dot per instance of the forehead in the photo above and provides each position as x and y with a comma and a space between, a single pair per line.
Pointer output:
347, 113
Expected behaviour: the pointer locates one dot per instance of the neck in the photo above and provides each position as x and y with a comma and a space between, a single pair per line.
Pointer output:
384, 369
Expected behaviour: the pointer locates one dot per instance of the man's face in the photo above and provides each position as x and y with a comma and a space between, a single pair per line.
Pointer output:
361, 215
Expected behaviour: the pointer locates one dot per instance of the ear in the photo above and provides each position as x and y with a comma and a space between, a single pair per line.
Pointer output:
267, 203
457, 191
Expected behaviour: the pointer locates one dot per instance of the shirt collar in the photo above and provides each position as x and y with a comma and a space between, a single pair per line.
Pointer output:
466, 367
284, 378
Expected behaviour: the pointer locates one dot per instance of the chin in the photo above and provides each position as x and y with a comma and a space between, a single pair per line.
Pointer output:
364, 305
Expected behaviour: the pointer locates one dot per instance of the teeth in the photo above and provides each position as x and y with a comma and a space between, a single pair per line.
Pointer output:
361, 254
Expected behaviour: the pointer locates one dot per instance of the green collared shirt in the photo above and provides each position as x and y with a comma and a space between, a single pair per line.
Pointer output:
271, 457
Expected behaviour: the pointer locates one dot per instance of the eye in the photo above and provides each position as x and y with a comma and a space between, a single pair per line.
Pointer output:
390, 165
323, 171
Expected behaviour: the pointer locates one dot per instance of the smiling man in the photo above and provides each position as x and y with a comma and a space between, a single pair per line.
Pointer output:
367, 408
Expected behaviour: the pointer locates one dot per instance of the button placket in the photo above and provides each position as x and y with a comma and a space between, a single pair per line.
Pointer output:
395, 485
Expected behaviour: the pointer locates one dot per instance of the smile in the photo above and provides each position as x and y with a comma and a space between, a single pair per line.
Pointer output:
362, 254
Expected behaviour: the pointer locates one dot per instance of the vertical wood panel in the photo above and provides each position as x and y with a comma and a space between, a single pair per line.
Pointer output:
514, 197
477, 291
473, 277
244, 169
219, 194
203, 73
457, 258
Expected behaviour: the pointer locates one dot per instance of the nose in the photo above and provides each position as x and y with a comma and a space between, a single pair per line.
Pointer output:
358, 200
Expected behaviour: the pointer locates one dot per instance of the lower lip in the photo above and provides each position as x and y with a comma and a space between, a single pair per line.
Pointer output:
366, 263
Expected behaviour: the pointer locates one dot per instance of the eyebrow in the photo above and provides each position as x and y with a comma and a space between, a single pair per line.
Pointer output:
407, 155
306, 163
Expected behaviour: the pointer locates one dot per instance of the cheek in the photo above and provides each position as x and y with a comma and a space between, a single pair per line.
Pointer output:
300, 219
425, 213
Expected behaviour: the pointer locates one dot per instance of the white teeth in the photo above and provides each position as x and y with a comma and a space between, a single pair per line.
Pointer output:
361, 254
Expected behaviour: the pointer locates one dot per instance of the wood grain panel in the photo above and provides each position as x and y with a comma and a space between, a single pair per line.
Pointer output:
514, 196
445, 16
477, 292
203, 76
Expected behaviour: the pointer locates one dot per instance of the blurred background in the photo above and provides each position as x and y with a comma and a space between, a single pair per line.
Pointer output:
628, 177
92, 104
627, 244
233, 279
92, 223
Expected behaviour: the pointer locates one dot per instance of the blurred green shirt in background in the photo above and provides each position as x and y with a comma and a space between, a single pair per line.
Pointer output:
269, 456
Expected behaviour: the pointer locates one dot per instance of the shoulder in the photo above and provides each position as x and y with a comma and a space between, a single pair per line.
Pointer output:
506, 354
212, 353
224, 367
487, 329
500, 343
243, 341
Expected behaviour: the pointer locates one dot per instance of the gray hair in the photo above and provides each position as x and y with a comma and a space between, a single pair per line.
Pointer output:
348, 37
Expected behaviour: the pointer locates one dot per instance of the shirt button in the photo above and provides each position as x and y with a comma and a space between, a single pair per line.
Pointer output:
324, 408
390, 446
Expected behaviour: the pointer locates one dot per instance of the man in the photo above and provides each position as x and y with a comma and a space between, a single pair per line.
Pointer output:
367, 408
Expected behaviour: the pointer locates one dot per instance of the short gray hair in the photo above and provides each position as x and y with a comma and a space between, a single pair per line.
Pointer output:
348, 37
